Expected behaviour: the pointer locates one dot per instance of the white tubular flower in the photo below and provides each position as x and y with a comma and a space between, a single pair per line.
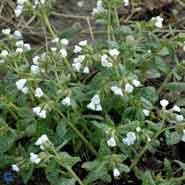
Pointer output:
15, 168
176, 108
130, 139
77, 49
54, 49
86, 70
36, 60
4, 53
21, 2
66, 101
64, 42
105, 62
79, 59
129, 88
99, 8
83, 43
183, 136
179, 118
39, 112
95, 103
21, 86
164, 103
138, 129
6, 31
39, 93
136, 83
63, 52
126, 2
42, 141
114, 53
146, 112
55, 40
117, 90
35, 69
158, 21
34, 158
19, 50
77, 66
20, 43
27, 46
111, 142
116, 172
18, 11
17, 34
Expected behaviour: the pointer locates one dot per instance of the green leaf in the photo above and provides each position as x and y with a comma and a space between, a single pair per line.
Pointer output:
172, 138
176, 86
66, 181
164, 51
68, 161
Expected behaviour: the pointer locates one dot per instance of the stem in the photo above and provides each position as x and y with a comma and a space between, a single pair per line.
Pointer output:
91, 148
46, 20
70, 170
70, 68
134, 163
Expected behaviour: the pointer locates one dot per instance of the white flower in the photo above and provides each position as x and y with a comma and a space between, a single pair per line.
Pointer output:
34, 158
63, 52
176, 108
138, 129
41, 141
114, 53
80, 4
130, 139
66, 101
158, 21
18, 11
116, 172
35, 69
15, 168
17, 34
111, 142
99, 8
21, 85
27, 46
146, 112
117, 90
83, 43
136, 83
95, 103
19, 43
19, 50
6, 31
55, 40
39, 112
164, 103
105, 62
39, 93
86, 70
64, 42
77, 66
77, 49
21, 2
79, 59
126, 2
179, 118
183, 136
148, 139
36, 60
129, 88
53, 49
4, 53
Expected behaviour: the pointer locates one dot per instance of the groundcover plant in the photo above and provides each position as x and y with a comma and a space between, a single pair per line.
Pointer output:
100, 111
